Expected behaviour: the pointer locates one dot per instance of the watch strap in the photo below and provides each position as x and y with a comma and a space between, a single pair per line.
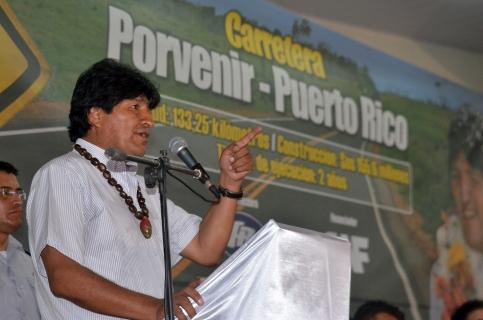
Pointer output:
230, 194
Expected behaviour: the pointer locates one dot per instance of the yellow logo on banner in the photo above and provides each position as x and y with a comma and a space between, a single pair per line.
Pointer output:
24, 69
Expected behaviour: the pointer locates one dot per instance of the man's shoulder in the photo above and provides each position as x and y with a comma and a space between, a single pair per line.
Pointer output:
69, 165
69, 161
20, 260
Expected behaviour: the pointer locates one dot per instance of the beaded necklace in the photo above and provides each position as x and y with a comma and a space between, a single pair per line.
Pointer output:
143, 215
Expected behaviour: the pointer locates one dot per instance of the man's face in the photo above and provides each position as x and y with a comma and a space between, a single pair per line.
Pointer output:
461, 181
126, 128
10, 206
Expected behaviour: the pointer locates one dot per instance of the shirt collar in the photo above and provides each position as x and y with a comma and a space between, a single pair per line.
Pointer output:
112, 165
13, 244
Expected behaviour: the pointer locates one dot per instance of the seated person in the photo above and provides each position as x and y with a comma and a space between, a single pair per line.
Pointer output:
17, 295
470, 310
378, 310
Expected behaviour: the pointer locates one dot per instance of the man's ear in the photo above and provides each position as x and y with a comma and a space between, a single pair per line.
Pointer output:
95, 116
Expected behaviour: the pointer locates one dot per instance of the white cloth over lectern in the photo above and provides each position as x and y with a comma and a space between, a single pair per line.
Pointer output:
282, 272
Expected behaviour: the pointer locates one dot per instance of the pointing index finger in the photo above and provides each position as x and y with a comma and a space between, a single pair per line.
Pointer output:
246, 139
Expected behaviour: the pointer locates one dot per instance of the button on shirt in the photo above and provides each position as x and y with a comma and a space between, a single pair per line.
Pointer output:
73, 209
17, 296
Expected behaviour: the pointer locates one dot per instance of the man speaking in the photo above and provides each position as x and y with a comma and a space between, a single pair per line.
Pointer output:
95, 229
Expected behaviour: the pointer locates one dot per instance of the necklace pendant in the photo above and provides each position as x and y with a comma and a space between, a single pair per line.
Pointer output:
145, 226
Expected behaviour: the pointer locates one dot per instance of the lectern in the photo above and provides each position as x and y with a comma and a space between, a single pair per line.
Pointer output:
282, 272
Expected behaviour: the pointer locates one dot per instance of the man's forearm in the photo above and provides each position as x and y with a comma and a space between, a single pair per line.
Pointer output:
236, 163
216, 227
215, 230
71, 281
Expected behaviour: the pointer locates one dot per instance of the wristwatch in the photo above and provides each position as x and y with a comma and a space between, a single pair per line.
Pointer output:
230, 194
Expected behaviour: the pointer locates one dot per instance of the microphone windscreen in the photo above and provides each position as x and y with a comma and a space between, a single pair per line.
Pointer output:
176, 144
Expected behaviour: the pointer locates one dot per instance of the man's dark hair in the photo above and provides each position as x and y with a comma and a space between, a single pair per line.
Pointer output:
104, 85
466, 308
370, 309
461, 135
8, 168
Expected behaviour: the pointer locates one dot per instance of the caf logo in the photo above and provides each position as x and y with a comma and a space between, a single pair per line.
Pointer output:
244, 228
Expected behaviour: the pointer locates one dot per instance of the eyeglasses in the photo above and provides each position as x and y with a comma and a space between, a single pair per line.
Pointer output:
6, 192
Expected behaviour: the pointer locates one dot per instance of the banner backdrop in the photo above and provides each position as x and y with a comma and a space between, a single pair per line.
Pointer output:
354, 143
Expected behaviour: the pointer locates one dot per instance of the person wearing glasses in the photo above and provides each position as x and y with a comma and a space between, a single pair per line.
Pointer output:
17, 295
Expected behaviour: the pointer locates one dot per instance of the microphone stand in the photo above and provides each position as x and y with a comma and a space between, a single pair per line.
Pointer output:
154, 173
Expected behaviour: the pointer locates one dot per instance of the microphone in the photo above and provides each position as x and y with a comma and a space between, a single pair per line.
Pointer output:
152, 162
179, 146
117, 155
